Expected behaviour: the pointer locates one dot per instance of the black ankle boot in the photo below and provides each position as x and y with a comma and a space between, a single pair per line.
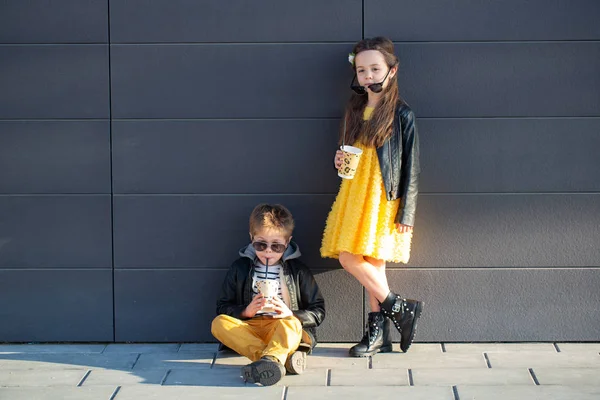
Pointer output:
404, 314
377, 338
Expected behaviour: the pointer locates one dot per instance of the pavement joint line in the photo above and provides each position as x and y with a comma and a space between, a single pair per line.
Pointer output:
556, 347
370, 362
284, 393
117, 389
214, 360
89, 371
487, 360
163, 380
455, 392
104, 349
179, 347
411, 382
443, 347
535, 379
328, 383
136, 360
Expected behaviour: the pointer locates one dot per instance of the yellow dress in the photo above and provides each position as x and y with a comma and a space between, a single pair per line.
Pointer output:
361, 220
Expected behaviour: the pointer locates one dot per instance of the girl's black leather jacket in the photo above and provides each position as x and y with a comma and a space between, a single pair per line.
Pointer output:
399, 163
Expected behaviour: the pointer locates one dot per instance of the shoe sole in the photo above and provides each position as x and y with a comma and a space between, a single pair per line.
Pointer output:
384, 349
266, 374
413, 327
297, 363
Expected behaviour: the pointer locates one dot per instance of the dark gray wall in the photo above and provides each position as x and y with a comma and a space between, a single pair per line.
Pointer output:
136, 137
56, 269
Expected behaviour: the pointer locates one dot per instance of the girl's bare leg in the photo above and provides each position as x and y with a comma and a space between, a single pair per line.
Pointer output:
371, 277
380, 265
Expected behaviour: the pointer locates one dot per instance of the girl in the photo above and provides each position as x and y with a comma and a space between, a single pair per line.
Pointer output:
372, 217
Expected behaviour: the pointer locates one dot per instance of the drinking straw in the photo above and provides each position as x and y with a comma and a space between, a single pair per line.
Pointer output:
344, 134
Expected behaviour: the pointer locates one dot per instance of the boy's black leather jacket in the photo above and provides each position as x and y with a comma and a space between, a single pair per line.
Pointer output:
399, 163
307, 302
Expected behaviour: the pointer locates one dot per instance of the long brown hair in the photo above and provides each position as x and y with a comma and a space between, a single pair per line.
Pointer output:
379, 127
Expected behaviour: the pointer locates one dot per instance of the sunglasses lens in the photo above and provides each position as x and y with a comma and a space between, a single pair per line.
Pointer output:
357, 88
259, 246
278, 247
376, 87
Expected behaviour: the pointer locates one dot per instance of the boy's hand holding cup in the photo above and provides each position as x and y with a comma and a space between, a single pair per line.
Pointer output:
257, 303
282, 310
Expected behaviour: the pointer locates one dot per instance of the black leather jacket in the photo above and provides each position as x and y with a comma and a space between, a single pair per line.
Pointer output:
399, 163
307, 302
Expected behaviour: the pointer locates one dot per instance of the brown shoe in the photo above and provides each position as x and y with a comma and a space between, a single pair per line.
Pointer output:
296, 363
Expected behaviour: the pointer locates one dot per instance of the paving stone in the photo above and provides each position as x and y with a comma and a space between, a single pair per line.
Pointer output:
51, 348
471, 376
315, 361
58, 393
250, 392
498, 347
420, 348
528, 392
537, 359
370, 377
575, 347
11, 362
370, 392
414, 348
325, 346
119, 378
310, 377
198, 347
41, 378
229, 377
198, 360
568, 376
229, 358
314, 375
142, 348
335, 356
428, 360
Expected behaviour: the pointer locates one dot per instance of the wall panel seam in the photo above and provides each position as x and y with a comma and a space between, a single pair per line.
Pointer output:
334, 193
320, 270
112, 184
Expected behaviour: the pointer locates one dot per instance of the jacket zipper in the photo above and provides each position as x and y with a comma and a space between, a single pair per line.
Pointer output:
391, 170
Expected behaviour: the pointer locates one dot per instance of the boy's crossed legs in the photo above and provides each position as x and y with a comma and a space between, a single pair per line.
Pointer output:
263, 340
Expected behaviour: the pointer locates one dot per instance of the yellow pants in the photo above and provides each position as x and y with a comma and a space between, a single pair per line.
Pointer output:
259, 336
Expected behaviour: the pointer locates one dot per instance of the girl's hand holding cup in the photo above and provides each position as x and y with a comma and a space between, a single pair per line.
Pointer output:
403, 228
339, 157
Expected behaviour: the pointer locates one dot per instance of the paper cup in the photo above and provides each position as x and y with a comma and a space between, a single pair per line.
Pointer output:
350, 161
267, 287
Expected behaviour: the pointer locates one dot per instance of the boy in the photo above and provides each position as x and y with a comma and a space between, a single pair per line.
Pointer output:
274, 333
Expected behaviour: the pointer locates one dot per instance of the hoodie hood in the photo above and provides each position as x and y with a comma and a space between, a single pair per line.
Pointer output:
292, 251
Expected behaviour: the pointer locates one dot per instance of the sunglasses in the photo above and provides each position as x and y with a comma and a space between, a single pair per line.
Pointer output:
275, 247
375, 87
